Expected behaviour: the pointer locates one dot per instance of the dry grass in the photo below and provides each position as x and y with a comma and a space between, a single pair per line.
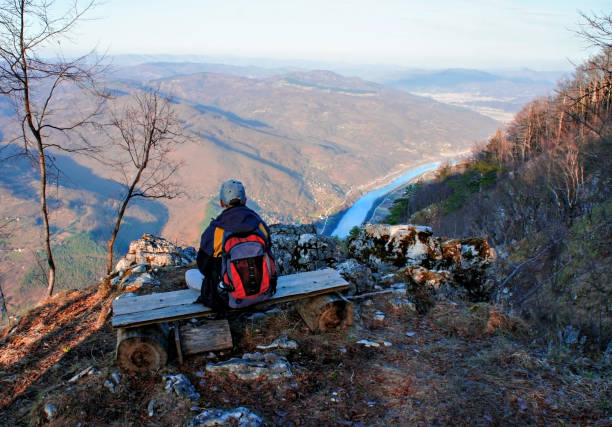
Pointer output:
475, 321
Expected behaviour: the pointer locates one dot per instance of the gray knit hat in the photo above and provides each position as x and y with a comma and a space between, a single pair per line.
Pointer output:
232, 190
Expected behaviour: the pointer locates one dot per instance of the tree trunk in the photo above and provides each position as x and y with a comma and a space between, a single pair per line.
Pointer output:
42, 162
121, 212
45, 215
143, 348
3, 309
325, 313
109, 253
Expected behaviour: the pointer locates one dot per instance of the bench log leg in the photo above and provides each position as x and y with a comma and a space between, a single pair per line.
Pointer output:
325, 313
143, 348
212, 335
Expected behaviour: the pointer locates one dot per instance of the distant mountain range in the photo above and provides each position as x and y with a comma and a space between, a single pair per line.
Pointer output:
496, 94
158, 70
458, 76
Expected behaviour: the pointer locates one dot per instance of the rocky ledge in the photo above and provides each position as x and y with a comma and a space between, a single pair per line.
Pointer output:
378, 257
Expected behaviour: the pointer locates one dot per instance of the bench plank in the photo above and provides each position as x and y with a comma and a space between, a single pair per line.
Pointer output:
286, 286
154, 308
165, 314
154, 301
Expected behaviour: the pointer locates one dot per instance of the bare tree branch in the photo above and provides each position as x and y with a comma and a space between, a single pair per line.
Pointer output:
518, 267
146, 132
596, 30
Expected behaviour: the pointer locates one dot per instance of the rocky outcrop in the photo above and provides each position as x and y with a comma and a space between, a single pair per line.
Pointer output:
385, 248
155, 251
300, 248
426, 262
379, 256
137, 269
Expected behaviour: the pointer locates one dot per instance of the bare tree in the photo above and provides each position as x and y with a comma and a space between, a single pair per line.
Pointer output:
146, 131
597, 30
27, 28
590, 95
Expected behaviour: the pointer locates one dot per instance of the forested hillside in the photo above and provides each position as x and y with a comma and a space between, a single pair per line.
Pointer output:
540, 191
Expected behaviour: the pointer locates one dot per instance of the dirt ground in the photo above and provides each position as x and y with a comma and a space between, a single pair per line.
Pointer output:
456, 365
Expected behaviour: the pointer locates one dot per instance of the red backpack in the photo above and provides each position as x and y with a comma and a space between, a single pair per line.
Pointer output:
248, 270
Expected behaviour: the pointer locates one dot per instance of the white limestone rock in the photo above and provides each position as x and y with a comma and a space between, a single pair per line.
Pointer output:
359, 276
299, 248
139, 269
387, 247
140, 280
123, 264
181, 385
156, 251
254, 366
368, 343
282, 342
456, 267
240, 416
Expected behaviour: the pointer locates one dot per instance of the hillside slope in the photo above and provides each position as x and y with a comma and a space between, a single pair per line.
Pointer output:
302, 144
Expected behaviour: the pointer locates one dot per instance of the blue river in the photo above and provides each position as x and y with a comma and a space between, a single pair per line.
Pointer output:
356, 215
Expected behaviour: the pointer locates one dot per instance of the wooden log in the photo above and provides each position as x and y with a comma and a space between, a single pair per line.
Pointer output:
325, 313
212, 335
144, 348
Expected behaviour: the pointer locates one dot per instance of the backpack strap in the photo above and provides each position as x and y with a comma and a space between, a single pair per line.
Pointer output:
218, 241
262, 229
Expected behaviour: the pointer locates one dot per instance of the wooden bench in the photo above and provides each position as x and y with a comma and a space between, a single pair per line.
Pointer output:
142, 321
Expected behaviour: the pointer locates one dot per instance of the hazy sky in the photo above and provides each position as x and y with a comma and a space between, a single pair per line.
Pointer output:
432, 33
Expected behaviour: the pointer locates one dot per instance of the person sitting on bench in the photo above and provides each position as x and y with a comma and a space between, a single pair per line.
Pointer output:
236, 267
